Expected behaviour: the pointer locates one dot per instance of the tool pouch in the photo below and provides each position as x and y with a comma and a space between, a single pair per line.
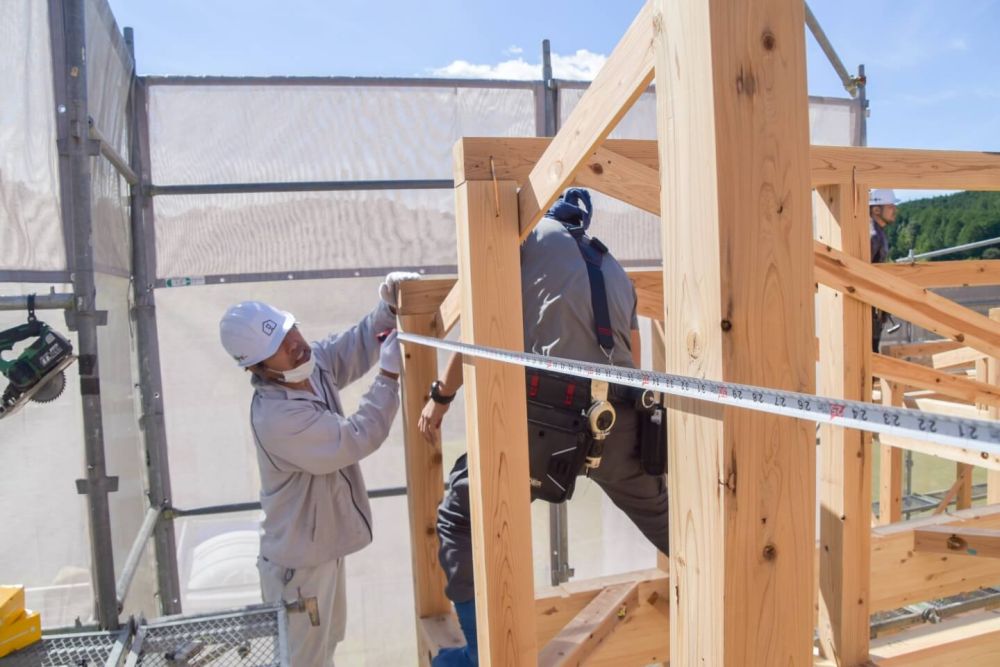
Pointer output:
653, 438
558, 436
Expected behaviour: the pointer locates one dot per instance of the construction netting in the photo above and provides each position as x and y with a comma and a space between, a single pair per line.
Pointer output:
320, 255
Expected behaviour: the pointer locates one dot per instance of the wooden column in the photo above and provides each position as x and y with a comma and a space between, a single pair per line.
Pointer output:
844, 330
424, 475
496, 422
659, 359
735, 199
992, 376
890, 494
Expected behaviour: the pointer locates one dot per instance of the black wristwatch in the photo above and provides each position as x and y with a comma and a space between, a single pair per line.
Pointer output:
437, 396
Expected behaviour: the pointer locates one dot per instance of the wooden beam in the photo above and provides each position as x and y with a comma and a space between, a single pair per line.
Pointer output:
991, 375
649, 293
625, 76
915, 375
962, 356
922, 349
902, 576
658, 357
449, 311
960, 273
905, 168
947, 452
574, 645
890, 495
617, 176
424, 474
980, 542
969, 642
963, 480
496, 423
867, 282
734, 155
950, 495
844, 330
419, 297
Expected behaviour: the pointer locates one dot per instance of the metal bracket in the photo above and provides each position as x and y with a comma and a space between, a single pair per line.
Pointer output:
104, 484
93, 147
100, 315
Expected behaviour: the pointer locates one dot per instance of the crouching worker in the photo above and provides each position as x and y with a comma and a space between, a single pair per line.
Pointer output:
314, 498
578, 303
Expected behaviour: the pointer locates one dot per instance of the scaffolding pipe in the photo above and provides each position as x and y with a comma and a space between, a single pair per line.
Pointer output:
303, 186
151, 417
849, 83
948, 251
51, 301
97, 485
108, 151
135, 554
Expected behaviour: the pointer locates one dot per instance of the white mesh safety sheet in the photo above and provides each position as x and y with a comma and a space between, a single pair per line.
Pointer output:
31, 236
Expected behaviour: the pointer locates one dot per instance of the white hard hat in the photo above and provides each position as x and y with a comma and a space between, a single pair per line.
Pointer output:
882, 197
252, 331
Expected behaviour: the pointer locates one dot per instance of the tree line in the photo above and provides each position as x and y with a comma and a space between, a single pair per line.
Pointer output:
949, 220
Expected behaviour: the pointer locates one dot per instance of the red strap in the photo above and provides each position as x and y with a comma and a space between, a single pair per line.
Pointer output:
533, 391
570, 390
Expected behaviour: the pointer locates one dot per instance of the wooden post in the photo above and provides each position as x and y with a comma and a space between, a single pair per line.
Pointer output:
890, 494
496, 422
735, 201
659, 359
424, 475
992, 376
844, 329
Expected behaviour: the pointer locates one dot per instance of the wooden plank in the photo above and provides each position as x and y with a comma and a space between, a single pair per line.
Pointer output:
574, 645
435, 633
658, 357
626, 180
978, 542
905, 168
950, 495
449, 311
419, 297
991, 375
946, 452
890, 495
963, 482
844, 330
921, 349
734, 156
962, 356
902, 576
915, 375
867, 282
960, 273
625, 75
969, 642
424, 473
496, 423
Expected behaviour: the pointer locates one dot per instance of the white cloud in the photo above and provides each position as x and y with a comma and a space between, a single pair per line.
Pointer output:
514, 50
580, 66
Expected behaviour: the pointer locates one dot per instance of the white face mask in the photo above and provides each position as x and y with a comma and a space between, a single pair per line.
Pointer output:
301, 372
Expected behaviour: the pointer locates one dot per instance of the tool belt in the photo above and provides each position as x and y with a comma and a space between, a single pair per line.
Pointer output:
567, 426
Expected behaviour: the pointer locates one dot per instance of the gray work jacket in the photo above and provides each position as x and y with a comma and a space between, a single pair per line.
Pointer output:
312, 492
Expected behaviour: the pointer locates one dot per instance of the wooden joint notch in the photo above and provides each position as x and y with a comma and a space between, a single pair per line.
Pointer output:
952, 540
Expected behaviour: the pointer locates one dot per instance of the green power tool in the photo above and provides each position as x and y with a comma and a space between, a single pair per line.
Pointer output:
36, 373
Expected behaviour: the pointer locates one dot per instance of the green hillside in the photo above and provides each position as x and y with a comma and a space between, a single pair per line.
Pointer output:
950, 220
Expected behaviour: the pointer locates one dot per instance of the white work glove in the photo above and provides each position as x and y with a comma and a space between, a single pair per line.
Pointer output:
388, 291
389, 357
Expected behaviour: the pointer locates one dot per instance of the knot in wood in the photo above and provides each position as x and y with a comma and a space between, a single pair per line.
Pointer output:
726, 325
768, 41
597, 168
770, 552
956, 543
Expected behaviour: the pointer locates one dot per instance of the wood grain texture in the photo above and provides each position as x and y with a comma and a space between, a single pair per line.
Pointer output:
915, 375
963, 356
966, 641
734, 156
961, 273
905, 168
418, 297
972, 542
496, 423
424, 473
890, 483
867, 282
602, 616
991, 375
844, 330
622, 178
625, 76
921, 349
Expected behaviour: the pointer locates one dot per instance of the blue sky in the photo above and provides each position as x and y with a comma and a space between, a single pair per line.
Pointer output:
932, 66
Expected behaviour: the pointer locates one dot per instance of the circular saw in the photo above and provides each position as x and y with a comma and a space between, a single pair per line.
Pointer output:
37, 372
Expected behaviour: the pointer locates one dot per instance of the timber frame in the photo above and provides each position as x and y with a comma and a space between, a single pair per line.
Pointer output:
749, 287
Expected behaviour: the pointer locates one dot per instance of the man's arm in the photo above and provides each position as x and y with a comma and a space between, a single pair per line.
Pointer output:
349, 354
429, 423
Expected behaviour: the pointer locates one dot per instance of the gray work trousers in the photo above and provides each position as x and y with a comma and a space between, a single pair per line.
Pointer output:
642, 497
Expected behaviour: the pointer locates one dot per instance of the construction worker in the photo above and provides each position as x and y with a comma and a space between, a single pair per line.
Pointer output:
559, 264
882, 213
315, 504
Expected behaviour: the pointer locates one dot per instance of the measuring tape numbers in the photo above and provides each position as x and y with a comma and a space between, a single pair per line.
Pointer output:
976, 434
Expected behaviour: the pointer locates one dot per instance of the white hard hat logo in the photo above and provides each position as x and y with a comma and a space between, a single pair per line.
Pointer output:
269, 326
252, 331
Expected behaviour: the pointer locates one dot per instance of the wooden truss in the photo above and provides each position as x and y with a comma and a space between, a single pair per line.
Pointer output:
747, 294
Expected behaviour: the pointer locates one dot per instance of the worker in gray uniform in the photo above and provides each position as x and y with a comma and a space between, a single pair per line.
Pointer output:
882, 213
314, 499
578, 303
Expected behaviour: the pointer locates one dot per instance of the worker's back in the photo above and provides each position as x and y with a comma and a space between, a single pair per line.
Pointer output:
555, 293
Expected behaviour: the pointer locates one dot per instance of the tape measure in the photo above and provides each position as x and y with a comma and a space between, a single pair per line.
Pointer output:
975, 434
